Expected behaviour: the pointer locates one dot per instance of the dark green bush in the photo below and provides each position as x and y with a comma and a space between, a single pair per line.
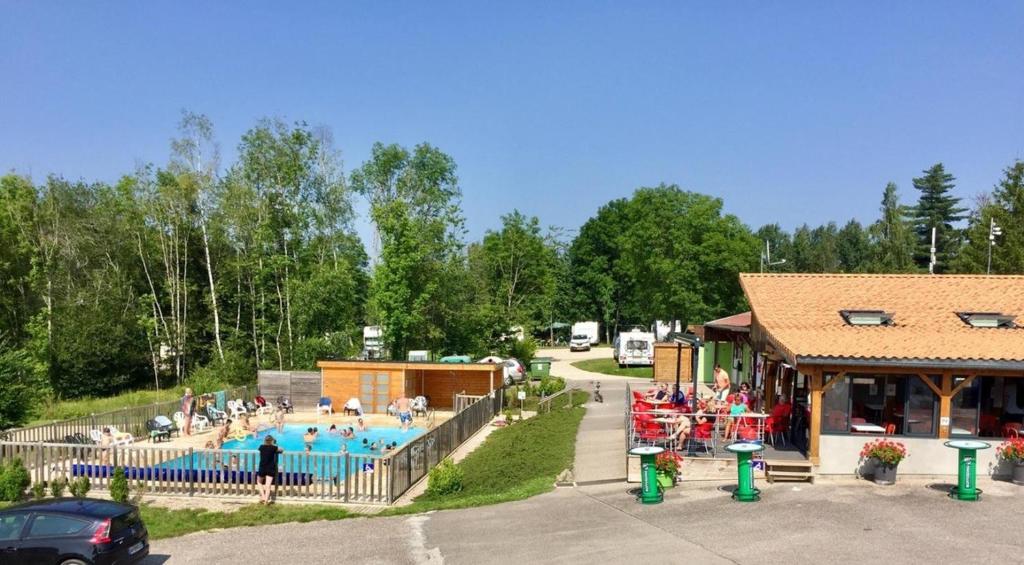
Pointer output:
550, 385
79, 487
119, 485
57, 487
39, 491
445, 479
14, 479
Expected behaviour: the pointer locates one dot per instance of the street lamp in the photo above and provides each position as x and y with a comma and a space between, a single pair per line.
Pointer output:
694, 344
993, 231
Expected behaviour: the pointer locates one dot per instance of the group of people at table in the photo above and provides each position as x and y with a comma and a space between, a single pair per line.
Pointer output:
667, 414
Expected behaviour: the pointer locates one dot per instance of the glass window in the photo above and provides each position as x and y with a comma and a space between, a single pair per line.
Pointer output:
835, 404
921, 406
11, 526
964, 408
46, 525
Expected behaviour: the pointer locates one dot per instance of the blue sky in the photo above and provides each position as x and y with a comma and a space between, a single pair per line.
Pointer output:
790, 112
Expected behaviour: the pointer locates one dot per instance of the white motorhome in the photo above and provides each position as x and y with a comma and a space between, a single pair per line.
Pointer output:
373, 343
589, 329
634, 348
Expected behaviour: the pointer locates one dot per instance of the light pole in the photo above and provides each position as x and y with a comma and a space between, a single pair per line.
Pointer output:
993, 231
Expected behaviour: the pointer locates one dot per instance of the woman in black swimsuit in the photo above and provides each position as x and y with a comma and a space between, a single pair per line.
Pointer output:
268, 468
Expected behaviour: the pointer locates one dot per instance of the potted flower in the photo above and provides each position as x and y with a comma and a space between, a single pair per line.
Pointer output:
886, 456
667, 465
1012, 451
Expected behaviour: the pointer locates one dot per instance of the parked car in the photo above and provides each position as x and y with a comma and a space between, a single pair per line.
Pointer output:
72, 531
514, 371
579, 342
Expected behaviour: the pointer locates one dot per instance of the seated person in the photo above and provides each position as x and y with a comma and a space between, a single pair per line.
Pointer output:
660, 393
682, 429
782, 410
677, 396
736, 409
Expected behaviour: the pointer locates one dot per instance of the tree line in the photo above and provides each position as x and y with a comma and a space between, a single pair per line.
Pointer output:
195, 271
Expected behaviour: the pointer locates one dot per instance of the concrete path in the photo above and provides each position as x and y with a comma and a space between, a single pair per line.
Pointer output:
601, 441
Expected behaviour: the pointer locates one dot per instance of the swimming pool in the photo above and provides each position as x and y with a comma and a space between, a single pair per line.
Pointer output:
291, 439
324, 461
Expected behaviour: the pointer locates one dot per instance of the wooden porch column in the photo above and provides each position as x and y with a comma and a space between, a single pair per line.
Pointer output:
816, 398
945, 405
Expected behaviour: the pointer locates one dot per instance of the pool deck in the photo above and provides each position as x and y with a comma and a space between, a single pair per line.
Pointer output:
304, 417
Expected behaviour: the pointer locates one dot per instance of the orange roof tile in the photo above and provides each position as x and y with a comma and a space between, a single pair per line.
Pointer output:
800, 314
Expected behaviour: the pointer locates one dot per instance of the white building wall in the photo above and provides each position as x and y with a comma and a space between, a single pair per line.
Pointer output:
840, 455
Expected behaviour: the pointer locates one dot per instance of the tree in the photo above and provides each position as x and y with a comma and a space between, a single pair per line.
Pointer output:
853, 246
20, 384
781, 244
597, 286
1005, 207
936, 208
414, 206
892, 236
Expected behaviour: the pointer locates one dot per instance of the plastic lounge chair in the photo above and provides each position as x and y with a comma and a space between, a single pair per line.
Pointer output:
236, 409
166, 423
324, 406
419, 405
157, 432
285, 404
353, 406
214, 415
121, 438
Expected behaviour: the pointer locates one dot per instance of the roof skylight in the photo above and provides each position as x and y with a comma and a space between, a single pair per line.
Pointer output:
987, 319
867, 317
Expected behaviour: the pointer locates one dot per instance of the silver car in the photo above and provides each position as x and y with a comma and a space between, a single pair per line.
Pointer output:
579, 342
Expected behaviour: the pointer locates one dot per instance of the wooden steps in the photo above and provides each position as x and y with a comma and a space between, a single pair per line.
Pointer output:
783, 470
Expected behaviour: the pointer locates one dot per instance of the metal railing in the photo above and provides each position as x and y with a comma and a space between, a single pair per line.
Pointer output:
207, 472
566, 394
130, 420
415, 459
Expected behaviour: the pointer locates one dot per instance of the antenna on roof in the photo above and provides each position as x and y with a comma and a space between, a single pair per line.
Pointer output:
931, 263
766, 257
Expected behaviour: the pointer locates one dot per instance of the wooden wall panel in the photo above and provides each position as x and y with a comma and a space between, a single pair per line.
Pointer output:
665, 363
441, 386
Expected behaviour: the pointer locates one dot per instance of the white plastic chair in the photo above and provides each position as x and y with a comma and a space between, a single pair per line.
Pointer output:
324, 408
354, 405
236, 408
199, 422
121, 438
419, 405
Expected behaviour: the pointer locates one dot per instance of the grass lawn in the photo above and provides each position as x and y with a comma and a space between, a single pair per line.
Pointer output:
67, 409
516, 462
610, 367
164, 523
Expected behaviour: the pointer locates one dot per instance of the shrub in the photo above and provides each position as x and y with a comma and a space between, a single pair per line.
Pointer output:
1011, 450
39, 491
550, 385
886, 451
445, 479
14, 480
524, 350
21, 386
57, 487
119, 485
80, 487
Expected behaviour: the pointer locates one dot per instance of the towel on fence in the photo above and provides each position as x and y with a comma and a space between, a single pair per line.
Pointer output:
221, 400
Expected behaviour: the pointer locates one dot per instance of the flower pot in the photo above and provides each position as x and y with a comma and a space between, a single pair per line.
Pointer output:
1018, 472
885, 474
666, 481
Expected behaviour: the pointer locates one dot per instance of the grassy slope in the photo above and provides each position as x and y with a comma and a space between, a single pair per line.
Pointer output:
63, 410
164, 523
610, 367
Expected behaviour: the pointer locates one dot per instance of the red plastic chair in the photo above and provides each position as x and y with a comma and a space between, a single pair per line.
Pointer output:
890, 429
771, 428
1011, 430
989, 425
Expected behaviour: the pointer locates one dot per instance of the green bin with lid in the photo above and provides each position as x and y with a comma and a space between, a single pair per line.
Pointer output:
540, 367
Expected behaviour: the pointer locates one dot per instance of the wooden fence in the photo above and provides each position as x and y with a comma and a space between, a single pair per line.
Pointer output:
130, 420
415, 459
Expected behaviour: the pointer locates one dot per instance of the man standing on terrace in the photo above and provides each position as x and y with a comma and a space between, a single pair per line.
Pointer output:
722, 384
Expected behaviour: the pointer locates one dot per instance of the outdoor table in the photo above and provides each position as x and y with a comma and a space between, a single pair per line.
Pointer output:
657, 402
867, 428
661, 411
745, 490
966, 488
650, 492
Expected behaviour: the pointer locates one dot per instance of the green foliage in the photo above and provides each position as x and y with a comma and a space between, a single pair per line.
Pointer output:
608, 366
1004, 207
164, 523
67, 409
59, 485
892, 236
522, 349
119, 485
550, 385
79, 487
39, 491
938, 209
235, 369
21, 385
445, 479
14, 479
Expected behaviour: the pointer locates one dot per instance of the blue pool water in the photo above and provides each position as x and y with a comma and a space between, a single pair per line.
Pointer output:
294, 460
291, 439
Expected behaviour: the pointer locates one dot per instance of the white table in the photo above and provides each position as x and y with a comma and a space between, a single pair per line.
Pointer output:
867, 428
960, 432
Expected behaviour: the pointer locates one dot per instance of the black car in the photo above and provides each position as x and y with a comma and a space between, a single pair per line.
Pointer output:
72, 531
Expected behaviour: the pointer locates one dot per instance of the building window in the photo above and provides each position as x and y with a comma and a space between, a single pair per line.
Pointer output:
880, 404
990, 407
867, 317
987, 319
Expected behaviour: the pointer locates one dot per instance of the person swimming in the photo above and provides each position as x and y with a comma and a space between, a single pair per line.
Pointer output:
308, 438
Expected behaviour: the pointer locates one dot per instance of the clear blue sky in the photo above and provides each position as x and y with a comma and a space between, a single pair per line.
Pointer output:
790, 112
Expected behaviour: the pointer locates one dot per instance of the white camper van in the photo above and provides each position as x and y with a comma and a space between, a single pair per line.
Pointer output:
373, 344
588, 329
634, 348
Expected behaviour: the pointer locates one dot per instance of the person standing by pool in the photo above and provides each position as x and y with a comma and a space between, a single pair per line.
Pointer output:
361, 425
404, 412
188, 408
268, 467
279, 419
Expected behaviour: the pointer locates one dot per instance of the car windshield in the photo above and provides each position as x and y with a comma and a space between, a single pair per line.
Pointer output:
577, 336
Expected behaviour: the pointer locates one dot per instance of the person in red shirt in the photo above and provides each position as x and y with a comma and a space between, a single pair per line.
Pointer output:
781, 412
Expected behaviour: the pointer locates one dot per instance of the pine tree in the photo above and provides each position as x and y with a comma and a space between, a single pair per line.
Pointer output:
937, 209
1005, 207
893, 236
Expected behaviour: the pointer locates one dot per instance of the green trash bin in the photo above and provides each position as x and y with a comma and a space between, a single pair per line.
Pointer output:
540, 367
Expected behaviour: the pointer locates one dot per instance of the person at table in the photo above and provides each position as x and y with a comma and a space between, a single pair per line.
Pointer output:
682, 429
782, 411
677, 396
745, 393
722, 383
660, 393
736, 410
